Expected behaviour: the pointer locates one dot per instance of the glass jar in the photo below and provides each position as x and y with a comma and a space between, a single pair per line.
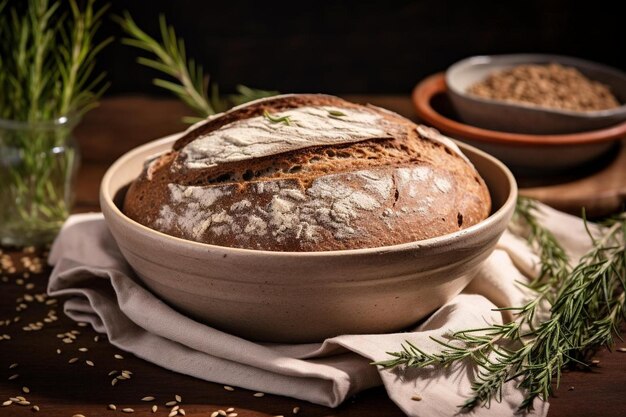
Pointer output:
38, 165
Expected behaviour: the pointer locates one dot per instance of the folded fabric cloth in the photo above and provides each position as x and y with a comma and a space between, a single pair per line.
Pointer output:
105, 292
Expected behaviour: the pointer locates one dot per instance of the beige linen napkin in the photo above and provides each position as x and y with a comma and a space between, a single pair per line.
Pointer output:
103, 291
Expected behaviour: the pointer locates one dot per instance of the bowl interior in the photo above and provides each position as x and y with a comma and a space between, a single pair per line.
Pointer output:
462, 75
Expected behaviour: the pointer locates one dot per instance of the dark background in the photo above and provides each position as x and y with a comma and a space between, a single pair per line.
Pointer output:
359, 46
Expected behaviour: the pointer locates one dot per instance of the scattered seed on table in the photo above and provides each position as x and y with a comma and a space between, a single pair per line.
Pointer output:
178, 398
173, 413
214, 414
128, 410
595, 362
7, 402
258, 394
621, 349
58, 351
280, 415
228, 388
14, 376
73, 360
232, 415
148, 398
296, 410
35, 408
416, 398
175, 408
13, 366
170, 403
182, 412
23, 402
96, 338
82, 324
116, 356
78, 415
114, 381
83, 350
221, 413
154, 408
230, 410
90, 363
112, 407
26, 390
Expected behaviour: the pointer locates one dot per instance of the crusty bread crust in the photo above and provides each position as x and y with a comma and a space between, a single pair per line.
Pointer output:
402, 185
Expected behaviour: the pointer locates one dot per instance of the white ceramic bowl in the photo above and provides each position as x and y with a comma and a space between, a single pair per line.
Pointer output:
513, 117
305, 296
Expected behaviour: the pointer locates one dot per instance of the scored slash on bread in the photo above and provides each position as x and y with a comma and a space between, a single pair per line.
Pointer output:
308, 173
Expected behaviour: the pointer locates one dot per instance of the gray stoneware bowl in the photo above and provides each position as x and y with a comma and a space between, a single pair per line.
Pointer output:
513, 117
305, 296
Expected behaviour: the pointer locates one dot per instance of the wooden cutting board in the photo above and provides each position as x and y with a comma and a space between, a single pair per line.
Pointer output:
601, 192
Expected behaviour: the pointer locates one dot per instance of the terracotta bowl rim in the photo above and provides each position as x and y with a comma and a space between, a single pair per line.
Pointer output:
435, 84
106, 199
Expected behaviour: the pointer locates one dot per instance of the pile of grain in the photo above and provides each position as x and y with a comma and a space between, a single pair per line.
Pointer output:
552, 85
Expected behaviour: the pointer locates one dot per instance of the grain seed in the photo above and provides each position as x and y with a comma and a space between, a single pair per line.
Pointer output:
35, 408
23, 402
112, 407
13, 366
116, 356
7, 402
148, 398
83, 350
178, 398
175, 408
232, 415
113, 372
58, 351
221, 413
90, 363
228, 388
25, 390
14, 376
416, 398
78, 415
170, 403
172, 413
128, 410
114, 381
154, 408
182, 412
296, 410
230, 410
621, 349
214, 414
73, 360
258, 394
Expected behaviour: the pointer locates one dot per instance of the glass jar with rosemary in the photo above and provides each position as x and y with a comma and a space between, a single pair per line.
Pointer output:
38, 164
47, 54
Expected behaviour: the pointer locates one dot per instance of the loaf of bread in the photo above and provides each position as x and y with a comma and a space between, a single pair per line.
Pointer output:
308, 172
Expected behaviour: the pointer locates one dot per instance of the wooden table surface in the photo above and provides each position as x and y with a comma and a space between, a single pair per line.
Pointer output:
59, 388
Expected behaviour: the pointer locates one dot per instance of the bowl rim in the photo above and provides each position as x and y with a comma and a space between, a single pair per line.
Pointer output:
435, 84
461, 65
107, 199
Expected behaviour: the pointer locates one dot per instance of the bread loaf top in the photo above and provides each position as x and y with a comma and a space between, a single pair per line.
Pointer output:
308, 173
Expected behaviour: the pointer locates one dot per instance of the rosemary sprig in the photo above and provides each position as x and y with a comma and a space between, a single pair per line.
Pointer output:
277, 119
190, 85
47, 60
586, 305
